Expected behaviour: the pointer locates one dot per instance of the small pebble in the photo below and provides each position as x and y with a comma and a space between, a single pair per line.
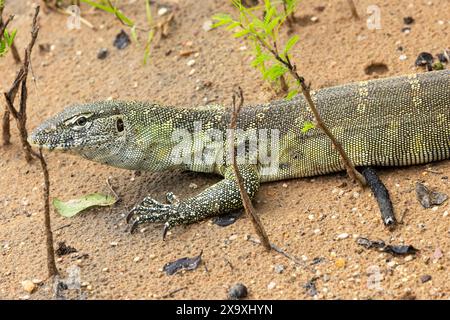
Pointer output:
190, 63
391, 264
238, 291
271, 285
285, 185
105, 269
445, 214
425, 278
408, 20
207, 25
113, 244
314, 19
28, 286
162, 11
408, 258
423, 59
403, 57
137, 259
342, 236
193, 186
191, 72
406, 30
233, 237
102, 53
279, 268
340, 263
122, 40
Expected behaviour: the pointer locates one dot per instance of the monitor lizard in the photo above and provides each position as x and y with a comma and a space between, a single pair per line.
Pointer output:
395, 121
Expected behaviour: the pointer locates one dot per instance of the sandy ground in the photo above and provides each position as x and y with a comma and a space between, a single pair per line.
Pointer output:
303, 216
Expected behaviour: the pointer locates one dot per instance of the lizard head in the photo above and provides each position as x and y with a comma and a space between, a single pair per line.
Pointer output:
82, 129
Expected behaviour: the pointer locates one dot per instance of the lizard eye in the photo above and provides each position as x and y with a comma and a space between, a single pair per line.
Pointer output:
81, 121
119, 125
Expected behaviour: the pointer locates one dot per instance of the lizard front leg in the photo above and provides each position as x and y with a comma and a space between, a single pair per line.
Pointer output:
218, 199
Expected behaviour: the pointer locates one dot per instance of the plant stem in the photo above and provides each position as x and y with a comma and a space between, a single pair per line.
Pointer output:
51, 264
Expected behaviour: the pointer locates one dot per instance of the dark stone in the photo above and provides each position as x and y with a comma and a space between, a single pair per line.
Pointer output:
122, 40
238, 291
408, 20
102, 53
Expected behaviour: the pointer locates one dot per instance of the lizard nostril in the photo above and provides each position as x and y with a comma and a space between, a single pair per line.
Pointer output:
119, 125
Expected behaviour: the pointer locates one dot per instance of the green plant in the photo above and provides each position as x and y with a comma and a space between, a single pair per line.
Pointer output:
274, 64
263, 32
6, 41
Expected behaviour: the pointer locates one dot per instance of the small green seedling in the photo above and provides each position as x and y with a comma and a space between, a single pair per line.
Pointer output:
263, 33
7, 41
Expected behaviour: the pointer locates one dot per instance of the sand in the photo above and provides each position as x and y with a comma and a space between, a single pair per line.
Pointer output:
304, 216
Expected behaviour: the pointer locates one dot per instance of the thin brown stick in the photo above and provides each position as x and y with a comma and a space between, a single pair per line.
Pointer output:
353, 9
6, 128
51, 264
249, 209
15, 53
4, 25
21, 79
285, 254
305, 89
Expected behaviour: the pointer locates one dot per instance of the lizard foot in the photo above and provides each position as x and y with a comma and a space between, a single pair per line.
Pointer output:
150, 210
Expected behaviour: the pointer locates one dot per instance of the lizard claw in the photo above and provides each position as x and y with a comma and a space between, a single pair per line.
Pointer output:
150, 210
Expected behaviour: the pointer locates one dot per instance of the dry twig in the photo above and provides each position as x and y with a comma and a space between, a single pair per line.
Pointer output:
249, 209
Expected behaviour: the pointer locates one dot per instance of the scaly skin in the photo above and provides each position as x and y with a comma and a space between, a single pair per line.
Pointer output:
388, 122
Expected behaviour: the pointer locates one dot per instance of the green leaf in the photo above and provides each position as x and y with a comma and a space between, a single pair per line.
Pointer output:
259, 24
308, 125
272, 25
111, 9
134, 34
72, 207
222, 19
3, 48
260, 59
291, 94
241, 33
238, 4
233, 25
9, 37
290, 43
148, 11
148, 45
274, 72
98, 6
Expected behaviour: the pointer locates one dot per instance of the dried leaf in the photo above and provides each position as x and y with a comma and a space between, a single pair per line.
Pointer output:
381, 246
226, 220
184, 263
428, 198
72, 207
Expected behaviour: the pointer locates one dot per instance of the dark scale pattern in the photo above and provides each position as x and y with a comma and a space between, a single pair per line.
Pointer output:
386, 122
